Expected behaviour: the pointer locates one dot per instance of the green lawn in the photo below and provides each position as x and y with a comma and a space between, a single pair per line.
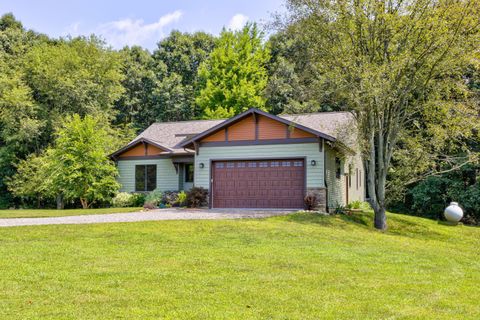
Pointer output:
37, 213
292, 267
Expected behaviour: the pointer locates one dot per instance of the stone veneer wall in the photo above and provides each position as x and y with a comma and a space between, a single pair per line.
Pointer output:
321, 194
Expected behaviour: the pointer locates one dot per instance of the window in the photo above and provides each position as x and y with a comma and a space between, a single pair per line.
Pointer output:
230, 165
189, 172
252, 164
241, 165
360, 178
263, 164
274, 164
286, 164
338, 168
298, 163
146, 177
219, 165
350, 172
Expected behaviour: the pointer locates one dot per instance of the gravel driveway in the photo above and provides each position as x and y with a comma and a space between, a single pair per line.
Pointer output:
152, 215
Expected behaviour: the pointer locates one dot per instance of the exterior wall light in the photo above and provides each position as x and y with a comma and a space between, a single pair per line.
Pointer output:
201, 165
313, 163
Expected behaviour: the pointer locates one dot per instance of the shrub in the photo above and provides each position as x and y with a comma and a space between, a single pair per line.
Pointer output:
169, 198
197, 197
123, 199
430, 197
339, 209
138, 199
357, 204
154, 198
181, 198
310, 201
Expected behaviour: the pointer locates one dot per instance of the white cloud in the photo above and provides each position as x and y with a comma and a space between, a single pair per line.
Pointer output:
135, 32
237, 22
72, 30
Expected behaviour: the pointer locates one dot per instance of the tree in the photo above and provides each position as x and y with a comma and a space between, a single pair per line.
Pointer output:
176, 63
389, 63
140, 83
74, 76
20, 124
234, 76
75, 167
292, 79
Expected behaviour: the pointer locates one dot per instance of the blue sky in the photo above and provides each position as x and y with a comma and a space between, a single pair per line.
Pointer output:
139, 22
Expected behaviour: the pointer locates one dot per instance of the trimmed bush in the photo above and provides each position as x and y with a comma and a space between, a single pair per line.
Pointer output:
138, 199
123, 199
197, 197
181, 198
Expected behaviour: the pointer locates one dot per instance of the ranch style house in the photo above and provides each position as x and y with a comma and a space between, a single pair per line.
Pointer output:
252, 160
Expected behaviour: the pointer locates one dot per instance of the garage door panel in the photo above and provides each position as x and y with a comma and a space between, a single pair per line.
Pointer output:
258, 184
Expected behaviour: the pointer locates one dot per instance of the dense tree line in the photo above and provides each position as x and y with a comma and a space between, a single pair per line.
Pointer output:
310, 63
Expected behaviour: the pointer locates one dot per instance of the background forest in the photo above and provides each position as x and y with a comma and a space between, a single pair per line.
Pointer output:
48, 85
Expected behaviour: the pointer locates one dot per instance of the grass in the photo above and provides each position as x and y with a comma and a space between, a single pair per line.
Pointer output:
301, 266
37, 213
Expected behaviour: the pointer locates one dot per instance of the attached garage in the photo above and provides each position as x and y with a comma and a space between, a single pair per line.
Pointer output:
263, 183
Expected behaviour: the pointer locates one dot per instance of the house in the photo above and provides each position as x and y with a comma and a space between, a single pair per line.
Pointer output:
252, 160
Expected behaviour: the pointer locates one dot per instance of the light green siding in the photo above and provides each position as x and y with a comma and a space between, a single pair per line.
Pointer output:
334, 185
337, 187
167, 177
357, 190
309, 150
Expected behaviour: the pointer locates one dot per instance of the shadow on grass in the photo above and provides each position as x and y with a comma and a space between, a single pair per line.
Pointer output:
398, 224
360, 219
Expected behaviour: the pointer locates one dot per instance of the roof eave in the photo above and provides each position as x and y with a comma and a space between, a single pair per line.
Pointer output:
136, 142
260, 112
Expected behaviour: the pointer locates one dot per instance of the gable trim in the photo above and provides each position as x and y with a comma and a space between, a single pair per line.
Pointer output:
135, 143
249, 112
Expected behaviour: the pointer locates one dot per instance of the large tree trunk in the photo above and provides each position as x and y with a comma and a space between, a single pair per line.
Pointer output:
380, 219
376, 165
84, 203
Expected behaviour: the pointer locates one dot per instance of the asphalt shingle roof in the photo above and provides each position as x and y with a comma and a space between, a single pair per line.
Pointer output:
170, 134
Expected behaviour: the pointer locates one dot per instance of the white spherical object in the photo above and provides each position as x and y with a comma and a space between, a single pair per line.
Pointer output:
453, 212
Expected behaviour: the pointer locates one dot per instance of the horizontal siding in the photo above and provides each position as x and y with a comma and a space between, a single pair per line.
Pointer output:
167, 177
357, 167
309, 150
334, 185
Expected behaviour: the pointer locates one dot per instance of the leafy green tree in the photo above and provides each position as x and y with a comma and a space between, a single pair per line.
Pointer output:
390, 63
74, 76
177, 60
33, 180
140, 83
76, 166
234, 77
182, 54
292, 79
20, 124
20, 127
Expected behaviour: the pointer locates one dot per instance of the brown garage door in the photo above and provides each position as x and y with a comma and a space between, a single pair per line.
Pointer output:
258, 184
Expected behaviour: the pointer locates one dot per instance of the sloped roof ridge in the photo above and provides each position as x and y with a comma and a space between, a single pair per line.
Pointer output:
185, 121
311, 113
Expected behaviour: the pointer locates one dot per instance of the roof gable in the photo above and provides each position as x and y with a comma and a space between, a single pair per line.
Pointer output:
140, 147
251, 114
